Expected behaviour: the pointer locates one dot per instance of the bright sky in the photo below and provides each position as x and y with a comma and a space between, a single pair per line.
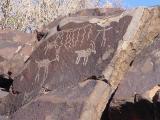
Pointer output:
135, 3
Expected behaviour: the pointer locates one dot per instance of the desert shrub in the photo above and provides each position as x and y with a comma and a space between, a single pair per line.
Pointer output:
29, 15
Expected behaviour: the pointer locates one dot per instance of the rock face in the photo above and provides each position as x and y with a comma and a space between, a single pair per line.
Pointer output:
86, 64
143, 72
15, 48
76, 53
142, 78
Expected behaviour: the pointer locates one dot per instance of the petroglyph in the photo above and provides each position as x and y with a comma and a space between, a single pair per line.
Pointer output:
44, 64
72, 38
104, 35
84, 54
54, 43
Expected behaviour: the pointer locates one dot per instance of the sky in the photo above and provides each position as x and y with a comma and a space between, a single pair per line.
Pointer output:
136, 3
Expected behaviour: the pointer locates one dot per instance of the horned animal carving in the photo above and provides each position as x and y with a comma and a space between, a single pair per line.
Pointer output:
85, 54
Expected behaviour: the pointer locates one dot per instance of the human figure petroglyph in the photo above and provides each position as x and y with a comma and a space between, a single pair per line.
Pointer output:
85, 54
73, 36
104, 35
44, 64
72, 39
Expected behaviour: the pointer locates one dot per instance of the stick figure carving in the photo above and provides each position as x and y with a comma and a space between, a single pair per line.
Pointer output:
104, 35
84, 54
44, 64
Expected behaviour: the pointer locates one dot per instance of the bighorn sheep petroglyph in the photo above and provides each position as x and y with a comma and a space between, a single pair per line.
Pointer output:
85, 53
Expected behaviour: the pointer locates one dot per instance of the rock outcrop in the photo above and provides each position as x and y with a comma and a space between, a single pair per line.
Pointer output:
142, 78
15, 49
90, 67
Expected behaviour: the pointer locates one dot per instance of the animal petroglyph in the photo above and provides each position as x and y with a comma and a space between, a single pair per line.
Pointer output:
44, 64
84, 54
72, 38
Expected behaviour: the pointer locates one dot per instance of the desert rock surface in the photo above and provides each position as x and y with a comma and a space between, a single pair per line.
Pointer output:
93, 65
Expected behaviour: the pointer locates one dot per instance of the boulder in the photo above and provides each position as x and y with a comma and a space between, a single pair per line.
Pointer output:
142, 78
15, 49
74, 73
80, 51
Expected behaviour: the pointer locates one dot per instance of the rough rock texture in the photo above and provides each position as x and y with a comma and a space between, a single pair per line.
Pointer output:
78, 52
142, 78
15, 48
143, 73
80, 68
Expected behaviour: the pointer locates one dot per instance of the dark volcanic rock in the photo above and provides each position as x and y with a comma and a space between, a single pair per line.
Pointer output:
77, 67
74, 54
57, 105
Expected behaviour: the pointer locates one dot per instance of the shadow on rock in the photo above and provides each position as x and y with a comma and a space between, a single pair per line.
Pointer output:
141, 110
5, 83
